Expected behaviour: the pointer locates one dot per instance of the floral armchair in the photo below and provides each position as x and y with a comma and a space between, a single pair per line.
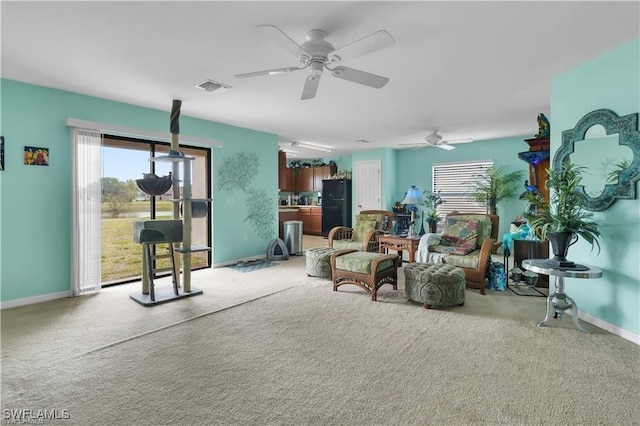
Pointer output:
364, 235
466, 241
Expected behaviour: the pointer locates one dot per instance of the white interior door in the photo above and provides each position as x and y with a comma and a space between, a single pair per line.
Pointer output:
368, 185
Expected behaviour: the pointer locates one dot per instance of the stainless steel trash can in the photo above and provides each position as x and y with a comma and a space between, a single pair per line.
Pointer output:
293, 236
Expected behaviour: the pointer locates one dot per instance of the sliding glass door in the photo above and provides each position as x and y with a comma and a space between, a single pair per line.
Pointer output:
124, 161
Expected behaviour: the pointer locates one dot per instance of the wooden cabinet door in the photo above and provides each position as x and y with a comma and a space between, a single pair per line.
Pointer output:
304, 213
290, 180
316, 221
318, 175
305, 180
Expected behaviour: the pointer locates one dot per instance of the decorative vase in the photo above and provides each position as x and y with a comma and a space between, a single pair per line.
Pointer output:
433, 226
560, 243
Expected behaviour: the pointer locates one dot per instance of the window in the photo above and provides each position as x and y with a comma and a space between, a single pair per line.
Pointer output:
453, 182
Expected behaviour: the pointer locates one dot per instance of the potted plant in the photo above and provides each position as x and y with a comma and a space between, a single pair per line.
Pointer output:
564, 217
494, 185
431, 202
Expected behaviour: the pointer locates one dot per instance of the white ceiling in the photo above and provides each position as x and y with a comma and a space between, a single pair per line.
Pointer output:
470, 69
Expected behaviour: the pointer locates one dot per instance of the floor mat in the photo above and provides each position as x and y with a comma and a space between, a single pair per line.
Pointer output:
254, 265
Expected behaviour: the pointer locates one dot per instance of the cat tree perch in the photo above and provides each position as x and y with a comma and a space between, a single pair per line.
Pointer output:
164, 231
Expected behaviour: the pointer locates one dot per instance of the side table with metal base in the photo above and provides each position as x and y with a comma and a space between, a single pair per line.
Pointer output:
559, 301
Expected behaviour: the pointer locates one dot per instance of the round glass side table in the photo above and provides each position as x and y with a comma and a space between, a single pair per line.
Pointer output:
558, 302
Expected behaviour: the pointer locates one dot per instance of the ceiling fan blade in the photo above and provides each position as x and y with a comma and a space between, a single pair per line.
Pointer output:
445, 146
269, 72
280, 37
371, 43
361, 77
311, 86
461, 140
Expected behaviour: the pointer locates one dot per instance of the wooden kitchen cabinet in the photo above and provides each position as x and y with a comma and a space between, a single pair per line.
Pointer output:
309, 179
320, 173
290, 179
304, 214
286, 182
311, 218
305, 180
316, 220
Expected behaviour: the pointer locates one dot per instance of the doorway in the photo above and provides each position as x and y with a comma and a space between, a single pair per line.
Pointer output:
368, 190
124, 161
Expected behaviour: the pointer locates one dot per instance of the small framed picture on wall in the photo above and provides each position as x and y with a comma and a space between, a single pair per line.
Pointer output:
34, 156
1, 153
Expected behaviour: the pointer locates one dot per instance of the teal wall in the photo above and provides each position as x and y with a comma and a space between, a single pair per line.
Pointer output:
414, 167
35, 249
610, 81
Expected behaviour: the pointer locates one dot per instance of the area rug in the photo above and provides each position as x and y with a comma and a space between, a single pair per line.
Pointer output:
254, 265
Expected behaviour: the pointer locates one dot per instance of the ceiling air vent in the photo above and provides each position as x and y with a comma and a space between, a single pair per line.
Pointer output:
213, 86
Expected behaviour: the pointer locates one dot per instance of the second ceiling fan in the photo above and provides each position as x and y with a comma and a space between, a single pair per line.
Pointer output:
317, 54
435, 139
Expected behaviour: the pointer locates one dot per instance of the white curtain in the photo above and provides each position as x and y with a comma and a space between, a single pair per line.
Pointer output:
86, 223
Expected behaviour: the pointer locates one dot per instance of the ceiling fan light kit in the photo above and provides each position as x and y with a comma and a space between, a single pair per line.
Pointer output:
317, 53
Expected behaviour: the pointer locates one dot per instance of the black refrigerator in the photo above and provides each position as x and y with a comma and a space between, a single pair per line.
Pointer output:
336, 204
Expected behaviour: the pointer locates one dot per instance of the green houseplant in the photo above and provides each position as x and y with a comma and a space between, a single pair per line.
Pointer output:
431, 201
564, 217
494, 185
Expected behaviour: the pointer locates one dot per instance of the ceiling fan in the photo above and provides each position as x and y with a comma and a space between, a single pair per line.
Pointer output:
317, 54
435, 139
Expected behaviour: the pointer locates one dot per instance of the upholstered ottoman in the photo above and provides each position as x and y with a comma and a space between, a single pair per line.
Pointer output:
367, 270
434, 284
318, 261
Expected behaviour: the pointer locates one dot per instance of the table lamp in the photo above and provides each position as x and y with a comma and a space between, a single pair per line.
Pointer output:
412, 198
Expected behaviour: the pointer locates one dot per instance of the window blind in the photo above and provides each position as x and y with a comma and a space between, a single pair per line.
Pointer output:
454, 182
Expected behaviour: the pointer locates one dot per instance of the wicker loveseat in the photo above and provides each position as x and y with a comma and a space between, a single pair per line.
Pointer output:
466, 241
364, 235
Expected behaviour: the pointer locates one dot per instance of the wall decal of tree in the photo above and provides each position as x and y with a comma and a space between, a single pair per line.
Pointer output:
237, 172
236, 175
260, 212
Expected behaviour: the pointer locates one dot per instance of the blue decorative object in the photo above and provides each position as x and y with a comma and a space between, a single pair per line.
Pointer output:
544, 129
412, 198
534, 157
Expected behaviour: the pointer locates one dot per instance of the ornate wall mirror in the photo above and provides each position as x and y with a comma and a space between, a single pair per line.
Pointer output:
608, 147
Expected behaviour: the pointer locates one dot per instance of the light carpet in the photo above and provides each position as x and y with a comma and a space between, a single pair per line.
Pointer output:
300, 353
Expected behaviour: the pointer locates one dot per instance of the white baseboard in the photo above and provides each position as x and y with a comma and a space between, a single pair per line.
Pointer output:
613, 329
35, 299
233, 262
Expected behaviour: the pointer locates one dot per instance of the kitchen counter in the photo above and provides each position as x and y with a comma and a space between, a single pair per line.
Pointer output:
311, 217
281, 208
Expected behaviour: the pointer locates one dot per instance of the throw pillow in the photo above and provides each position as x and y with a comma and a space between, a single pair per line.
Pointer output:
362, 227
461, 233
